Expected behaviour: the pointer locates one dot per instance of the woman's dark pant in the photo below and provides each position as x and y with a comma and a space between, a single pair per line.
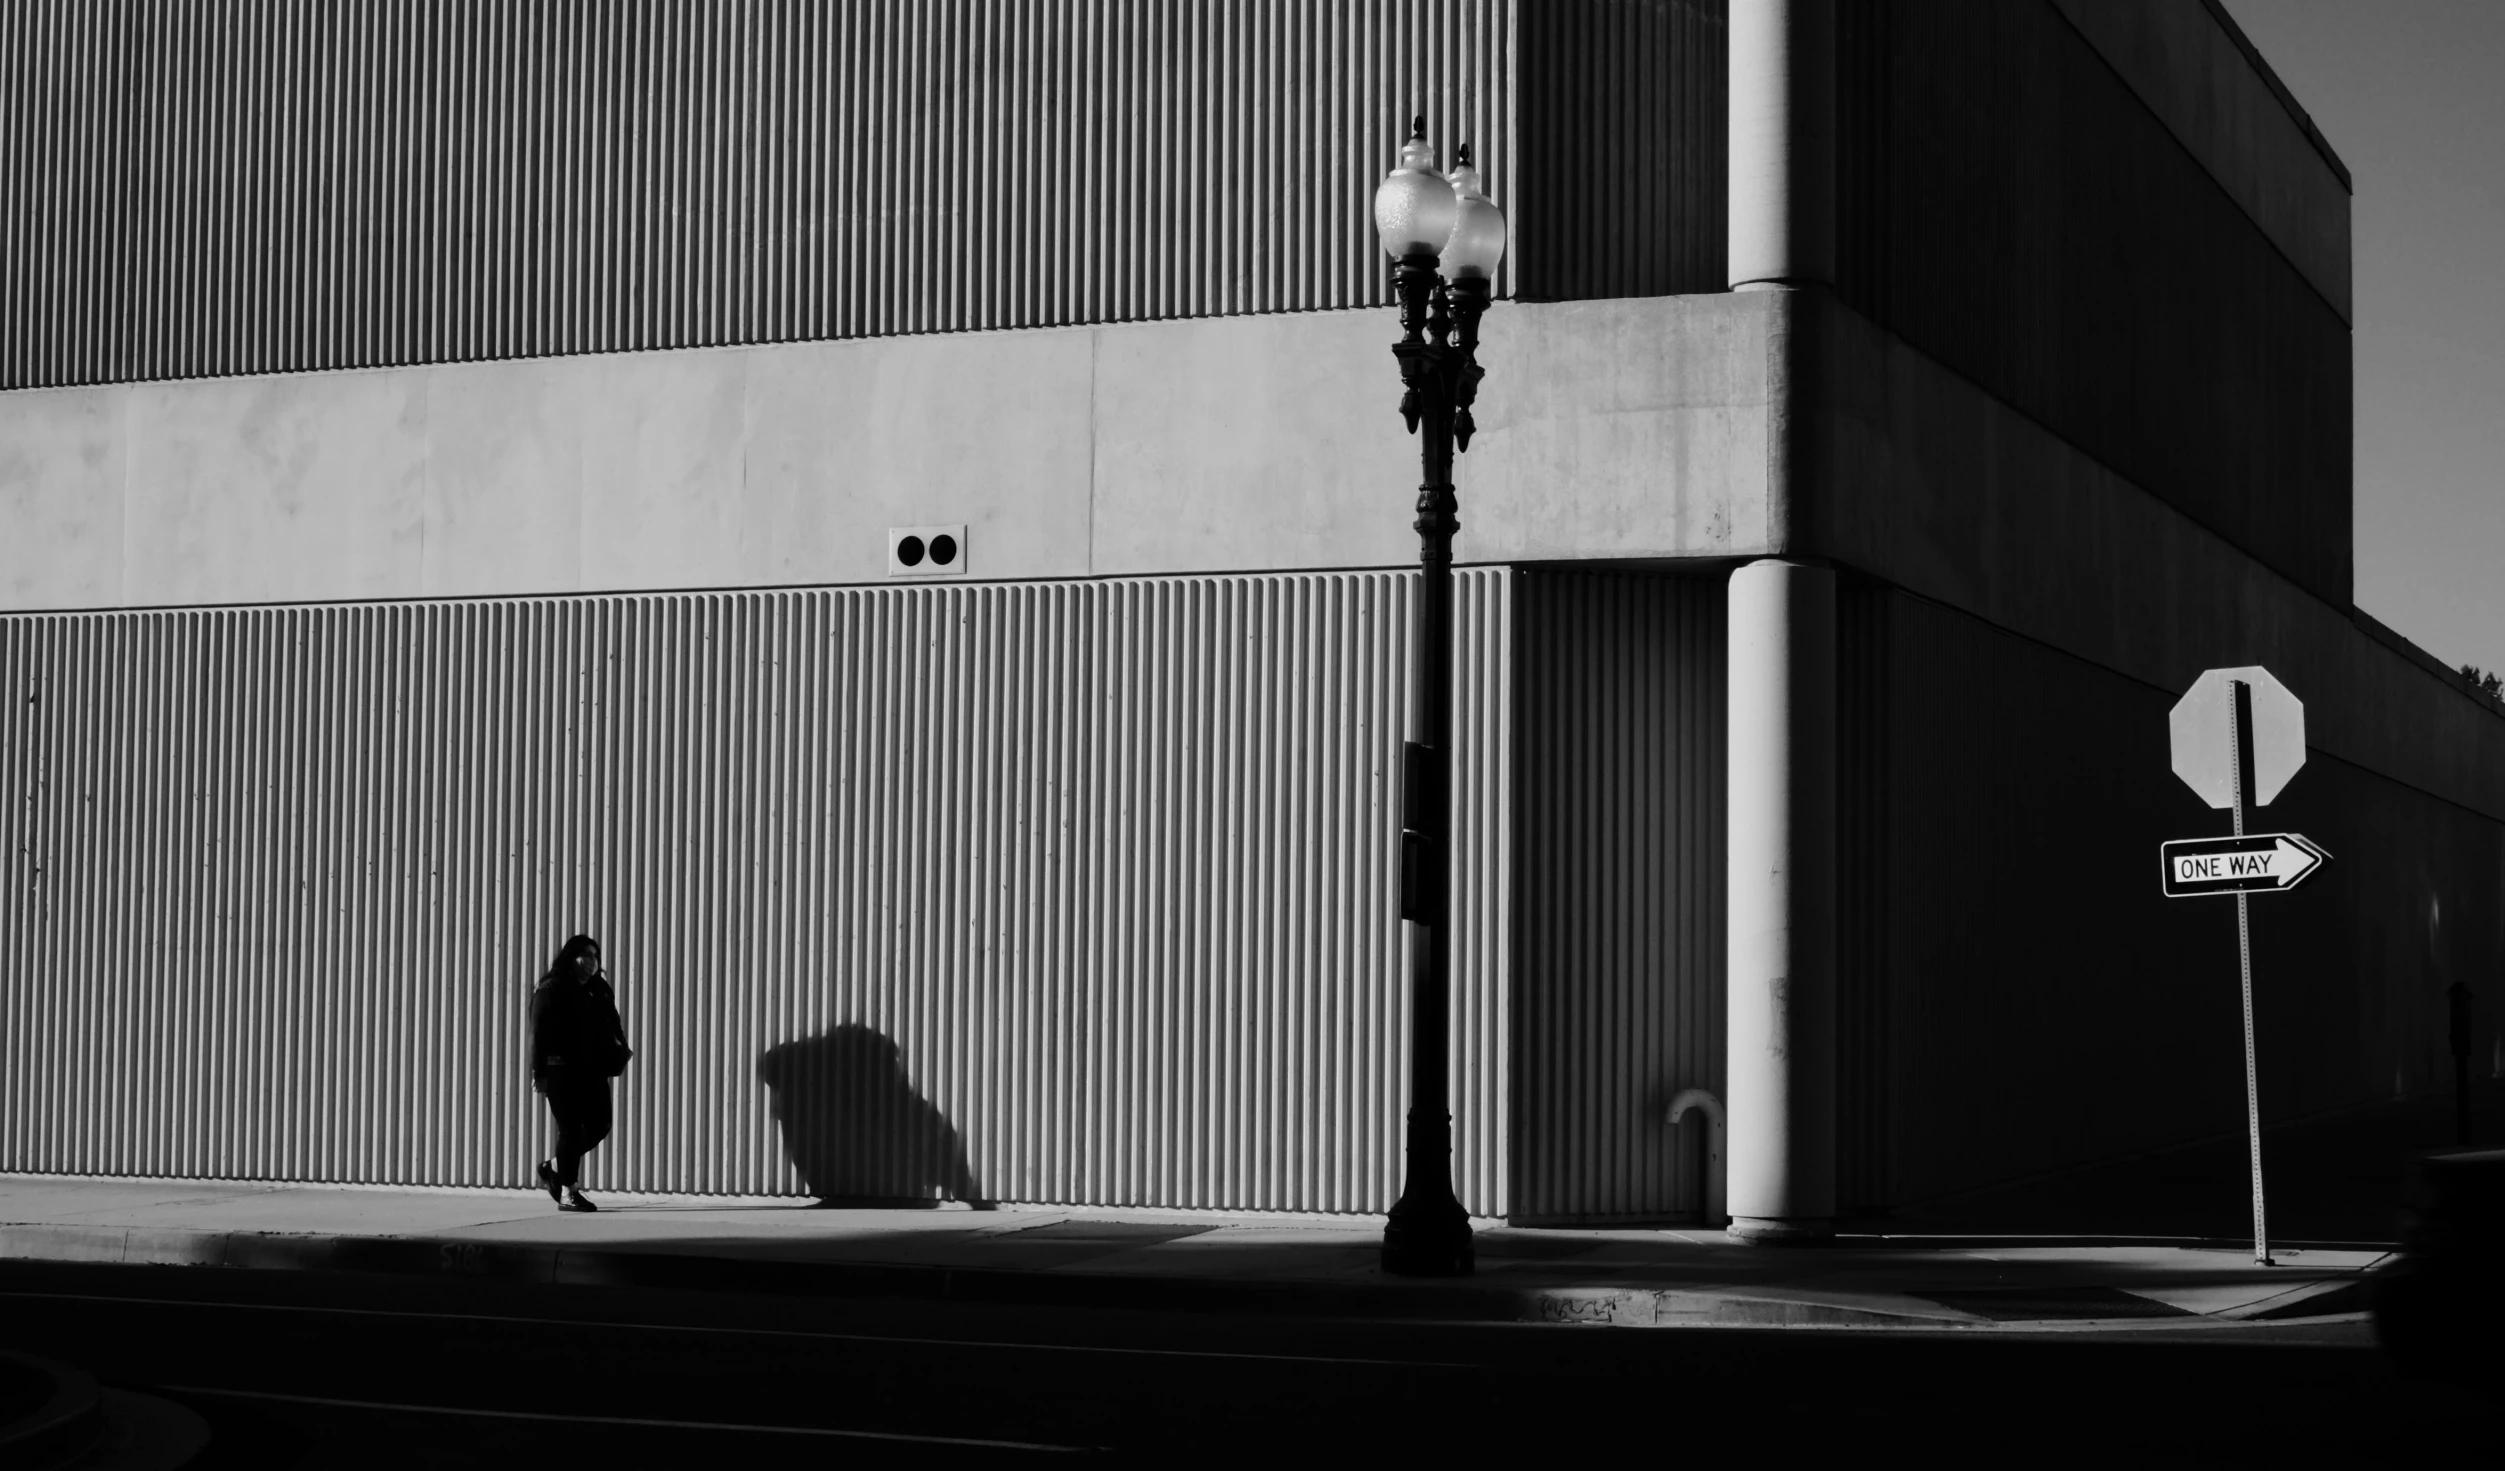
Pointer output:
581, 1107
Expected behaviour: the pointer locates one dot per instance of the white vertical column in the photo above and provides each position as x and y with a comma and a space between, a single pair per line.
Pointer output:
1781, 879
1782, 173
1781, 979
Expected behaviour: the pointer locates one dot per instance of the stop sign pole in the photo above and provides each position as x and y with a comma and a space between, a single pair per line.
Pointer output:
2240, 728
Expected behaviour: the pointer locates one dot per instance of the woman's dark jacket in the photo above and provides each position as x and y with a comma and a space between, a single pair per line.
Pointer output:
575, 1032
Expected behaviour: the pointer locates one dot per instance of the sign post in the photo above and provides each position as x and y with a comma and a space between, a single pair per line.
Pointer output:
2238, 736
2240, 723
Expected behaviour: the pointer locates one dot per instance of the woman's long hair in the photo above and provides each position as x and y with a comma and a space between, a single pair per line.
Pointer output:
579, 945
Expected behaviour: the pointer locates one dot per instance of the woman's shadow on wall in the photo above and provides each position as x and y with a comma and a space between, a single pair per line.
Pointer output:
855, 1128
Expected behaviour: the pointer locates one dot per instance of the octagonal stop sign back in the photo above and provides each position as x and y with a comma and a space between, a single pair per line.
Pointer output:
2204, 740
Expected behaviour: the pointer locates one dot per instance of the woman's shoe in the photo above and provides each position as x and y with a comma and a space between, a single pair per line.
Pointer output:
575, 1202
555, 1186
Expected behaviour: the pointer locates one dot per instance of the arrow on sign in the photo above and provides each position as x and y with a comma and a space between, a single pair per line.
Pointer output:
2258, 863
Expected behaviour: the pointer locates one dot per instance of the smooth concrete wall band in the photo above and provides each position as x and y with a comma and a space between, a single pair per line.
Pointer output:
1619, 429
1781, 937
1062, 892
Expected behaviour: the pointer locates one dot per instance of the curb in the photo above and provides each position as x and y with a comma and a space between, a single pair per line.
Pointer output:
681, 1271
2339, 1300
668, 1270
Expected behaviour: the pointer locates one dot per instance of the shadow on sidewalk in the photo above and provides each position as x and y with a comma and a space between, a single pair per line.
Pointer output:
855, 1128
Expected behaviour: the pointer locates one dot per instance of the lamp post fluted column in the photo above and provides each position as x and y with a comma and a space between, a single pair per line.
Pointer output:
1428, 1232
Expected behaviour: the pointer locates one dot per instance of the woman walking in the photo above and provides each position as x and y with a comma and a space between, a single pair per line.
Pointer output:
577, 1045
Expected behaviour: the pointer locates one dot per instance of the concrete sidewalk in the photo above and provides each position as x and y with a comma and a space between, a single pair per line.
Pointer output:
1175, 1261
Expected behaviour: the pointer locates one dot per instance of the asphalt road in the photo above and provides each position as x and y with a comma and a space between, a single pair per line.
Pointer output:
301, 1370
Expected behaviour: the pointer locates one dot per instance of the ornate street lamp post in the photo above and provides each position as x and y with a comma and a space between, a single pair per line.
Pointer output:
1423, 216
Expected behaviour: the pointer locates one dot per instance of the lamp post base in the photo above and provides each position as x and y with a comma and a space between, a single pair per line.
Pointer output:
1430, 1242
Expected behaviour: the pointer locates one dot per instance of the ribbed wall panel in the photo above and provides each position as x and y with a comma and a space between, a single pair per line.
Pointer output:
1995, 1023
1865, 1019
1066, 892
2006, 205
1624, 140
201, 187
1618, 970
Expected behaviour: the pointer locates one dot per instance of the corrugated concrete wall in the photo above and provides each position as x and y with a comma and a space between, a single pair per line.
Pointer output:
1623, 133
250, 186
1618, 970
2007, 205
2037, 1003
1070, 892
257, 186
1864, 777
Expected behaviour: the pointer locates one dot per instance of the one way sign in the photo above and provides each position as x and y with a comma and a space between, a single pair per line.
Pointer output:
2269, 863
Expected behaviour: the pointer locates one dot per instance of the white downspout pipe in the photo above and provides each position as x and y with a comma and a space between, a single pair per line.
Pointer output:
1715, 1176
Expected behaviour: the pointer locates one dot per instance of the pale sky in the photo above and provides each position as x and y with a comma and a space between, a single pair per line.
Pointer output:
2411, 95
